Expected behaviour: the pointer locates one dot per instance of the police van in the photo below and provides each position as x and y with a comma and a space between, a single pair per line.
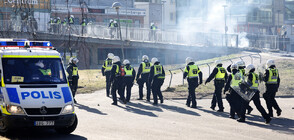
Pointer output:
34, 89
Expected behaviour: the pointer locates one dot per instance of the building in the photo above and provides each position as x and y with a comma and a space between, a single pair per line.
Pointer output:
17, 12
98, 11
153, 12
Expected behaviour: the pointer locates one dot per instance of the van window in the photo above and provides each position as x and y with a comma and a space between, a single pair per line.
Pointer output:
33, 71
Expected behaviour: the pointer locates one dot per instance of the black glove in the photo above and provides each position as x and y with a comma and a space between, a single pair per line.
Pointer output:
200, 83
206, 82
225, 92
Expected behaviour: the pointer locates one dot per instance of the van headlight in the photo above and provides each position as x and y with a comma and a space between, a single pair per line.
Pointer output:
68, 109
14, 109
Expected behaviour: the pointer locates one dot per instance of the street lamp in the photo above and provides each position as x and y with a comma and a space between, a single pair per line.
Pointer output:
163, 12
226, 28
116, 6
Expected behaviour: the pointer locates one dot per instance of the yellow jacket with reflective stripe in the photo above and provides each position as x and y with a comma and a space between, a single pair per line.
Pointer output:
220, 74
193, 71
146, 67
158, 71
236, 79
254, 81
107, 65
74, 71
273, 76
129, 73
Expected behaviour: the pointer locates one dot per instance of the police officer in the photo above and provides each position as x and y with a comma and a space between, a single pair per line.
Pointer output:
241, 67
156, 79
129, 78
71, 19
73, 75
83, 23
106, 71
272, 83
234, 98
111, 25
142, 77
116, 79
220, 75
252, 81
58, 23
194, 74
51, 23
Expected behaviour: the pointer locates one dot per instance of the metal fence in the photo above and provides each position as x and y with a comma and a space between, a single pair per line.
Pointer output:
101, 30
208, 64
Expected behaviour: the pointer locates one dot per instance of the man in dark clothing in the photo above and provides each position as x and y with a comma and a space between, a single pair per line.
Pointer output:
116, 79
156, 78
272, 80
143, 71
106, 71
129, 78
252, 82
233, 98
192, 72
73, 75
220, 75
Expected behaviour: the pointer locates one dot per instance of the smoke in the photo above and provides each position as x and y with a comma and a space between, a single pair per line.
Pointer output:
204, 23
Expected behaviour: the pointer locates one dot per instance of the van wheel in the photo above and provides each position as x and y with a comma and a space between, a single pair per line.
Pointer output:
68, 129
3, 127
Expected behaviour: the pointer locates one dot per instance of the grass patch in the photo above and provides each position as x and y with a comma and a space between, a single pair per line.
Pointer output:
90, 81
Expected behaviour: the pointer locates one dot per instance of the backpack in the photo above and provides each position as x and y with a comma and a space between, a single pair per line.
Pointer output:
122, 71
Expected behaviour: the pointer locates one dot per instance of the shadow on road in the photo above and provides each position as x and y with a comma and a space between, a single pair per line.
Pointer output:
219, 114
179, 110
137, 111
145, 107
89, 109
283, 125
40, 133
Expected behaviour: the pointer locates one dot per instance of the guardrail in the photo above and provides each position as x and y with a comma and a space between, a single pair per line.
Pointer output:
128, 33
209, 63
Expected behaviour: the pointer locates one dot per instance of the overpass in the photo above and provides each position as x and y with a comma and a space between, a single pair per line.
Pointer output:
92, 43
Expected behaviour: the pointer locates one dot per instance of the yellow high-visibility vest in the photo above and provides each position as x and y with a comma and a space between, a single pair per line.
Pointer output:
220, 74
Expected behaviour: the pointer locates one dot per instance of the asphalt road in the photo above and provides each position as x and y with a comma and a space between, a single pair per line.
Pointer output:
98, 119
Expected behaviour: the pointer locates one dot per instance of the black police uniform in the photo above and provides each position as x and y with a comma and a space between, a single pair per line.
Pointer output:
233, 98
157, 79
256, 100
193, 84
106, 72
117, 82
270, 93
219, 85
129, 80
73, 78
143, 79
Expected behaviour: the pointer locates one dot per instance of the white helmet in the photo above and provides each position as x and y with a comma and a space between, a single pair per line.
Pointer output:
145, 57
189, 60
72, 16
115, 21
250, 67
116, 59
241, 63
40, 64
111, 20
154, 60
110, 55
126, 61
73, 59
270, 62
217, 62
234, 66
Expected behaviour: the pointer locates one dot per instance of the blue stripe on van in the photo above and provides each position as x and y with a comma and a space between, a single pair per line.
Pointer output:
66, 94
12, 94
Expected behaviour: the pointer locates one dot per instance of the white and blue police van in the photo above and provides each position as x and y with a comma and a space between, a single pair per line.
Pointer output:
34, 89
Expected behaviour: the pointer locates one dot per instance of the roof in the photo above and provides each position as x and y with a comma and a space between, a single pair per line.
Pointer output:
19, 48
